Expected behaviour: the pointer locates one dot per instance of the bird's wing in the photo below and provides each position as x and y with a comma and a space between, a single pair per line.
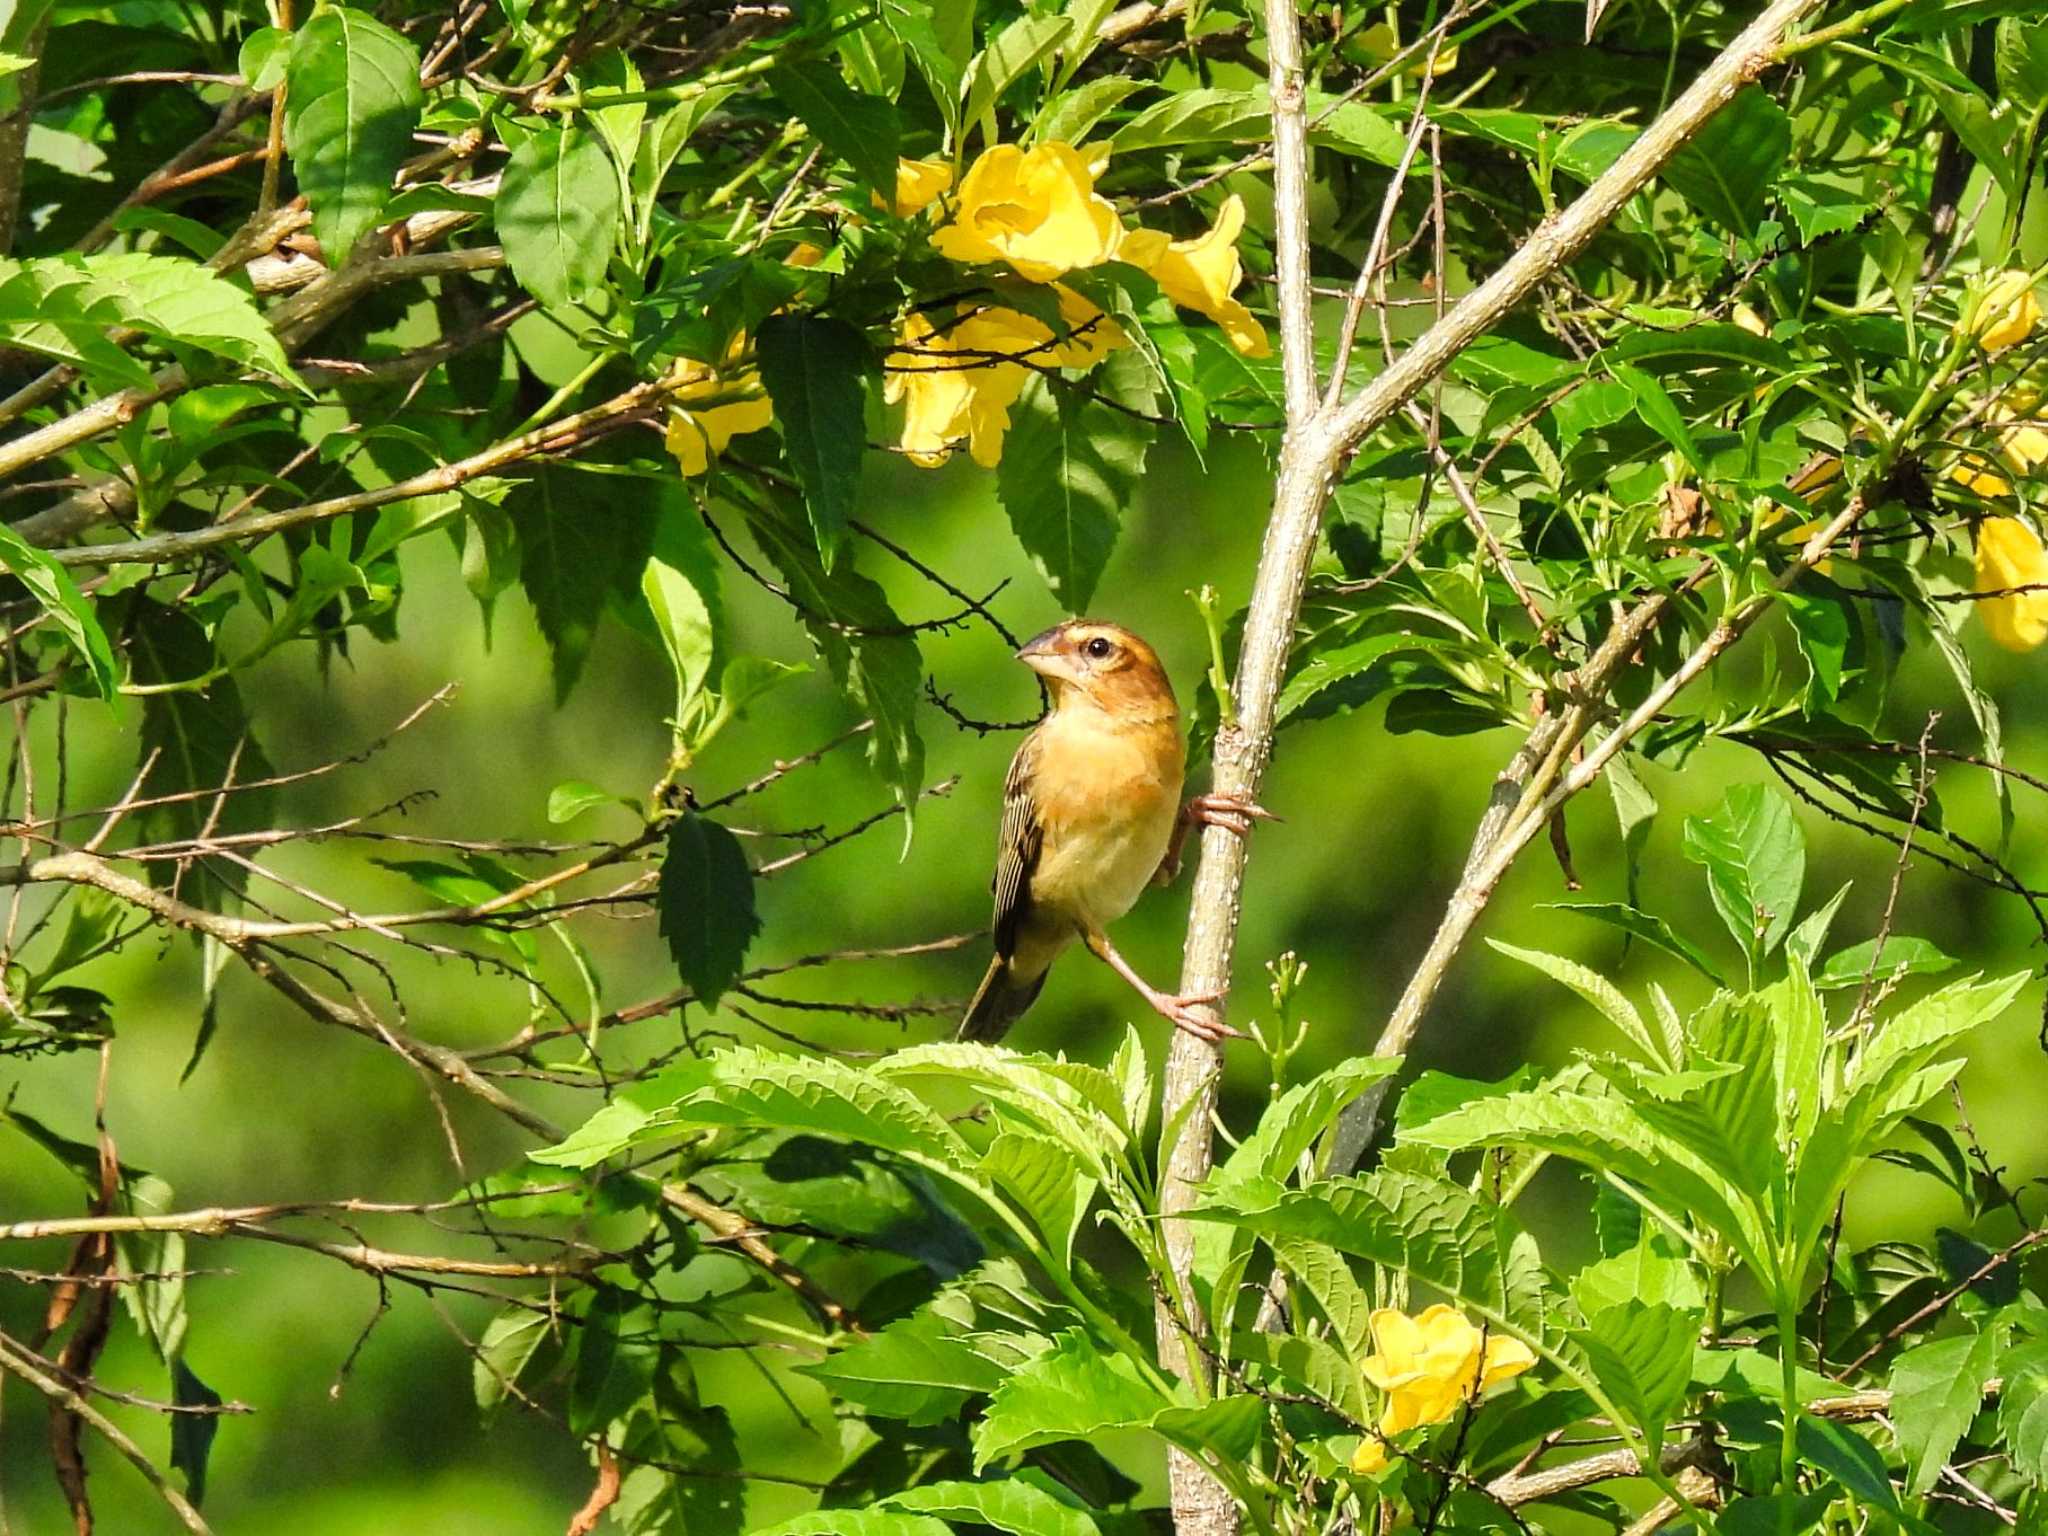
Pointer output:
1016, 847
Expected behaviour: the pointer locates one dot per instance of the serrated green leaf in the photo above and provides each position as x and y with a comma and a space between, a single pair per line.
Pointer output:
1073, 1392
1641, 1353
1597, 990
1070, 466
1937, 1389
65, 305
1006, 1504
815, 370
1755, 858
352, 100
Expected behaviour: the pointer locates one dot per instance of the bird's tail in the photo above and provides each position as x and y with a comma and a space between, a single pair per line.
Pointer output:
1005, 992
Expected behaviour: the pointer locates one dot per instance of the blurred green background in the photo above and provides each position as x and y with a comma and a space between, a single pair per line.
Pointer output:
388, 1438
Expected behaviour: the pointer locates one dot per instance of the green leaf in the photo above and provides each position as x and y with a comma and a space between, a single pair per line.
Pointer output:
1070, 466
52, 587
572, 797
2021, 56
1646, 926
1755, 858
1937, 1390
684, 621
1070, 116
815, 370
1727, 169
861, 130
913, 26
2023, 1408
1009, 55
857, 1522
1597, 990
262, 58
1660, 412
1073, 1392
1850, 1459
1821, 626
352, 100
1641, 1353
617, 1350
557, 208
581, 544
1606, 1134
1009, 1504
508, 1343
192, 1433
1435, 1232
706, 903
1900, 957
64, 306
865, 647
917, 1370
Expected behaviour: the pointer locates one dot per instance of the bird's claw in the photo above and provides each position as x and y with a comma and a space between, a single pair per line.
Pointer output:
1233, 813
1185, 1011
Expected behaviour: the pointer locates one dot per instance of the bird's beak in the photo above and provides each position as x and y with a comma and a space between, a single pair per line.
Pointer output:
1041, 654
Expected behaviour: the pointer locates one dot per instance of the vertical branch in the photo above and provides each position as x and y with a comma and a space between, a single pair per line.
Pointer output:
1201, 1507
23, 37
1318, 441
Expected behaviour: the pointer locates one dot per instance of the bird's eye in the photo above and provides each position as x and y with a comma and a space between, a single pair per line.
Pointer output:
1098, 648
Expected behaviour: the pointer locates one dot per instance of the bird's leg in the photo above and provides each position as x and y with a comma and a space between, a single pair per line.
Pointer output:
1233, 813
1182, 1010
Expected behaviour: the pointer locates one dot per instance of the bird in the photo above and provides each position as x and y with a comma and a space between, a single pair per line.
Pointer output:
1092, 815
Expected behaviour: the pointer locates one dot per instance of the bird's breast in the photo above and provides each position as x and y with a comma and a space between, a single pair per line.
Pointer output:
1106, 794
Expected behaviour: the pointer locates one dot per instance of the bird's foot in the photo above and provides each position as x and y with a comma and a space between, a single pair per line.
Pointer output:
1186, 1012
1233, 813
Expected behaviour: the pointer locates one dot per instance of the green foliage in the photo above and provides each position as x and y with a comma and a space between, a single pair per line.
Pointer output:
590, 327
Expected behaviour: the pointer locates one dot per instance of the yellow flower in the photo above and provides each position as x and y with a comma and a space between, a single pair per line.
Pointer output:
918, 183
954, 381
698, 436
1036, 209
804, 254
2007, 312
1370, 1457
1749, 320
2009, 554
1200, 274
2022, 443
1381, 42
1427, 1365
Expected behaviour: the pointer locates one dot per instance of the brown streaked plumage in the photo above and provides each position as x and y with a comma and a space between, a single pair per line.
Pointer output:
1092, 814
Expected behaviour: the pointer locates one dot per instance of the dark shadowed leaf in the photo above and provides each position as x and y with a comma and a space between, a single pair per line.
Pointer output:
815, 371
192, 1433
1727, 169
706, 901
861, 130
580, 543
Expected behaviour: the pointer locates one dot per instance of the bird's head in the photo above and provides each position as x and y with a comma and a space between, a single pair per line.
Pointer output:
1091, 662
